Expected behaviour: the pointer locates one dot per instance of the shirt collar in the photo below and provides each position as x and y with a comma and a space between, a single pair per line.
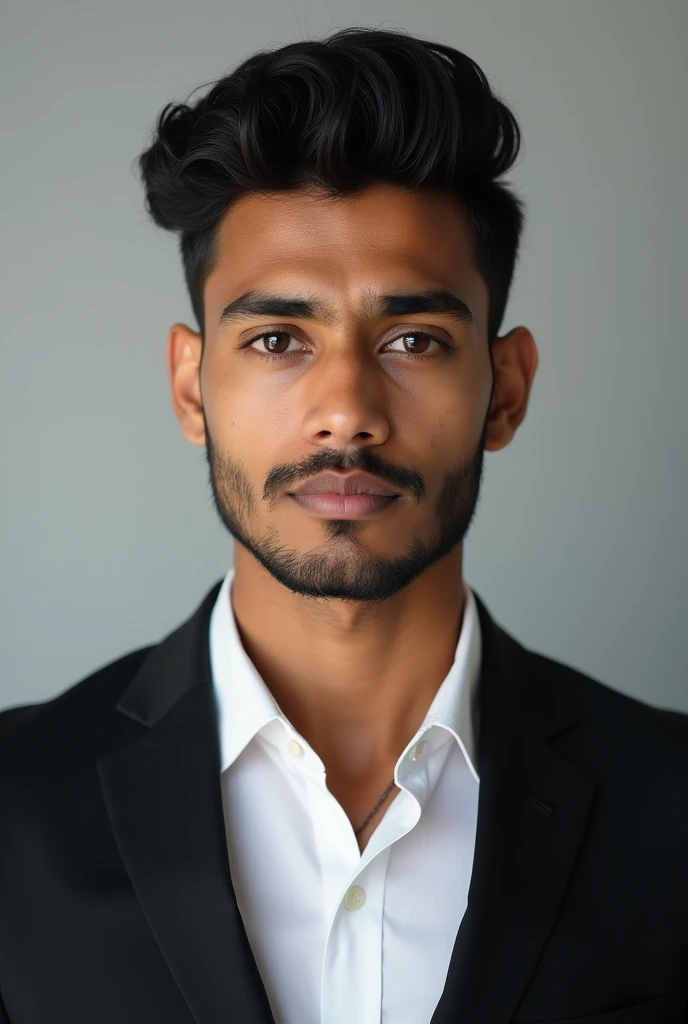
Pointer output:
246, 707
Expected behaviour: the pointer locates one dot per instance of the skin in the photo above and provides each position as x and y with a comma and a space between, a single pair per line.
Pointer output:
353, 624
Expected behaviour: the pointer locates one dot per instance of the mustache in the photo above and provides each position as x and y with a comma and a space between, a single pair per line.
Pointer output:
406, 480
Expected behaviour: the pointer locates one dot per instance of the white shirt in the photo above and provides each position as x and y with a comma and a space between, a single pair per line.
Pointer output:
339, 935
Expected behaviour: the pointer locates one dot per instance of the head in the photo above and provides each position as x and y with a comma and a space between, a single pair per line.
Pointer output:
348, 253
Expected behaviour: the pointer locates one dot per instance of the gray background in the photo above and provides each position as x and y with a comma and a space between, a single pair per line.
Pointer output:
109, 537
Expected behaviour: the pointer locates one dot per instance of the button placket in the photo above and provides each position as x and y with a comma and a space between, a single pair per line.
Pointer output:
352, 950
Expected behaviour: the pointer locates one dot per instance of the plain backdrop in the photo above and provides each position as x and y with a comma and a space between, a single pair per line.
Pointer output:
109, 536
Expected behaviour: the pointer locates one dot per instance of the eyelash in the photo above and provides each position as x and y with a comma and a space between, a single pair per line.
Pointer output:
276, 357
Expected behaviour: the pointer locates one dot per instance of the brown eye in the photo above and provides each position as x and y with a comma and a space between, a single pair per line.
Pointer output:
411, 342
415, 343
275, 341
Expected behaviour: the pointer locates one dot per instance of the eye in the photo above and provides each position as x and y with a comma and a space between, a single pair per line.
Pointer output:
411, 338
277, 343
274, 341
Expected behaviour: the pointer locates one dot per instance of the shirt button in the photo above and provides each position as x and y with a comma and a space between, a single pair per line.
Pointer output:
355, 898
418, 750
295, 748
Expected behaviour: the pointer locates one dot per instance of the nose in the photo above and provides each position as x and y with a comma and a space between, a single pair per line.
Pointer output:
345, 403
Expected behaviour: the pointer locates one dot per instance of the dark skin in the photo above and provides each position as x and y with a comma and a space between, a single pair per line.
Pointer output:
352, 651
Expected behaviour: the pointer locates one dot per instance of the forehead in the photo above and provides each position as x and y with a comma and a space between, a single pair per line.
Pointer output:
382, 239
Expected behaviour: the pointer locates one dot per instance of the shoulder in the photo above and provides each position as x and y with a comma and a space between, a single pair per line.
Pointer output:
593, 700
77, 721
614, 731
593, 695
64, 736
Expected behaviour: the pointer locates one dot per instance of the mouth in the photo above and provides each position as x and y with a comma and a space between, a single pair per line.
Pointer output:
344, 506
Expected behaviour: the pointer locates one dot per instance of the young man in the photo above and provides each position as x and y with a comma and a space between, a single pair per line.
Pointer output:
340, 792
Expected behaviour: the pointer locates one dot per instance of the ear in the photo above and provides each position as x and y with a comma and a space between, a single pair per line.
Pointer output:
515, 360
184, 350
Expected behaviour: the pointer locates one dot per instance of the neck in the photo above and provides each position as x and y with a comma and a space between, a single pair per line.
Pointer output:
355, 680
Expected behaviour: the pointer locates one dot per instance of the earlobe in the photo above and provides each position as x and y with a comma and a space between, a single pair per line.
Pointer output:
499, 432
184, 349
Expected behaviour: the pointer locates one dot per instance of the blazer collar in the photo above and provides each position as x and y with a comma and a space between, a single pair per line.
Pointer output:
163, 796
180, 661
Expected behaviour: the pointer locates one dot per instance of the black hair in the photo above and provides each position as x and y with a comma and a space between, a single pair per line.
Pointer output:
359, 107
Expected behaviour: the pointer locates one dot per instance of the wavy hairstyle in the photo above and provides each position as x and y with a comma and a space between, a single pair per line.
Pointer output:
359, 107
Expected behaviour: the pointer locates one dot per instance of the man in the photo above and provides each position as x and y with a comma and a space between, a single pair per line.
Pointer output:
340, 792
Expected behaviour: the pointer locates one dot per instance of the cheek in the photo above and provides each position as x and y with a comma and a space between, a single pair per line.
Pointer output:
262, 416
251, 431
251, 402
448, 414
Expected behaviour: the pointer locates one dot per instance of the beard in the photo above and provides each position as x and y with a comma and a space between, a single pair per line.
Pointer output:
343, 567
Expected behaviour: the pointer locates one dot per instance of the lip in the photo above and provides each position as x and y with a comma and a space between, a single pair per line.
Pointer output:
349, 484
330, 505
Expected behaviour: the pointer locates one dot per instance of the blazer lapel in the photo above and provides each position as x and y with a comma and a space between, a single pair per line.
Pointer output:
163, 797
533, 808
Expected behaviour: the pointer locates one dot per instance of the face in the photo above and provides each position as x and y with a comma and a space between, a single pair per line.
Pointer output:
363, 347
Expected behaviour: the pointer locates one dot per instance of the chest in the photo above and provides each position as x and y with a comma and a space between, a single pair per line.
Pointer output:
337, 921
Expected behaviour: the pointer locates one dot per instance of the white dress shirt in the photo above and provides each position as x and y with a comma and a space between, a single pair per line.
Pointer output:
342, 936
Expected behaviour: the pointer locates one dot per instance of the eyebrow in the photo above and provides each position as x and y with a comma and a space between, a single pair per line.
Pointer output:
375, 307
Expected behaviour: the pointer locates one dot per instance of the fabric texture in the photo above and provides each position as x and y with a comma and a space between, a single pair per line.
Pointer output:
116, 897
358, 924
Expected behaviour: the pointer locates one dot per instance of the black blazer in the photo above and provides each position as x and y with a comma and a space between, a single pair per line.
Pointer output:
116, 902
